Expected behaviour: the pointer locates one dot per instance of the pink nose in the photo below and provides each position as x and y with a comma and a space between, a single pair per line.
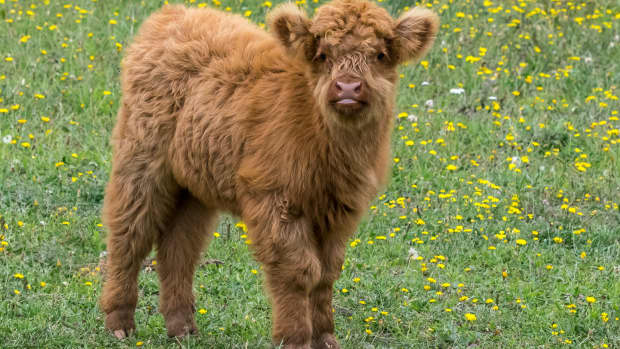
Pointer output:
351, 90
348, 90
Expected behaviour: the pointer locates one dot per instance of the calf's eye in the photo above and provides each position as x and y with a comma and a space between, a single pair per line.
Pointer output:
381, 56
320, 57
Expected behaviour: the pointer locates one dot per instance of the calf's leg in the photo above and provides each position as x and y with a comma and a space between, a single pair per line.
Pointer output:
289, 282
332, 257
136, 206
288, 253
179, 250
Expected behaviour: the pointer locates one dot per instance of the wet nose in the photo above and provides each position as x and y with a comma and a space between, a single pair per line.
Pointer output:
348, 90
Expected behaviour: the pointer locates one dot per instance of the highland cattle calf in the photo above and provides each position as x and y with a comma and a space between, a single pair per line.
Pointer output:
287, 129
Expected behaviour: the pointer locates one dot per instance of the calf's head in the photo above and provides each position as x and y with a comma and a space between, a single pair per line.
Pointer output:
351, 49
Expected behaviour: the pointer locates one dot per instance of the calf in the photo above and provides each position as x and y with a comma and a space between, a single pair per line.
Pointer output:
287, 129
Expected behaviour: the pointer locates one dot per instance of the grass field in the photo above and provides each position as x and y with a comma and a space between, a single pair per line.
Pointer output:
500, 227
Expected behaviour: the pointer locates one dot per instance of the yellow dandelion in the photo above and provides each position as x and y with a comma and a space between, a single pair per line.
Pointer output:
470, 317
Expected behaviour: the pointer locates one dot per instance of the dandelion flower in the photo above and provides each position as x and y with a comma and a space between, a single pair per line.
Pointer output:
470, 317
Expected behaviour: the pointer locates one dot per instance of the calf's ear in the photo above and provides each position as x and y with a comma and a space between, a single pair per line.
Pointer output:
415, 33
290, 25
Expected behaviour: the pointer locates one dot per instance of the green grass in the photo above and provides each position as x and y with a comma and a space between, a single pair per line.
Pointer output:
519, 174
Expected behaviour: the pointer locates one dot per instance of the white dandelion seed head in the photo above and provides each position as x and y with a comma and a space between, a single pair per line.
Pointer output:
429, 103
7, 139
413, 253
412, 118
457, 91
425, 83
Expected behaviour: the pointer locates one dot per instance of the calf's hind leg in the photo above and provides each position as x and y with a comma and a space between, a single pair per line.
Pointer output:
135, 208
179, 250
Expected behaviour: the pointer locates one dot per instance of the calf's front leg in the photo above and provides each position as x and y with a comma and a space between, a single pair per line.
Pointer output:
331, 254
289, 282
288, 252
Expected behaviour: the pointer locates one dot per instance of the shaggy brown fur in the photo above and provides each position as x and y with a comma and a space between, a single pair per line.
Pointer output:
288, 130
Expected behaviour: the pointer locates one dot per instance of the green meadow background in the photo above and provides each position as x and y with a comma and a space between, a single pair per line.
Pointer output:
500, 227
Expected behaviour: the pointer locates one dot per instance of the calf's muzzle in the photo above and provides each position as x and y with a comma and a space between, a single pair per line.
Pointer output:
348, 94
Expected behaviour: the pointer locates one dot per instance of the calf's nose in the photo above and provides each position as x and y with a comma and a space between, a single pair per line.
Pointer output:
348, 89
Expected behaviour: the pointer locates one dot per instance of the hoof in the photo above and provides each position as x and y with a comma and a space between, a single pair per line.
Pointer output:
181, 324
120, 323
325, 341
120, 334
280, 345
